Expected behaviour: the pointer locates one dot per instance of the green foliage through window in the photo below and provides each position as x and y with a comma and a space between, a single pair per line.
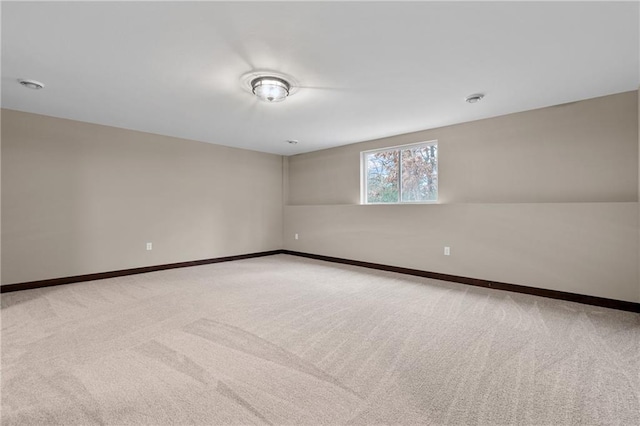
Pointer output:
406, 174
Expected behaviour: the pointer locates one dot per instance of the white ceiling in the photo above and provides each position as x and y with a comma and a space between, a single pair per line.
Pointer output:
365, 70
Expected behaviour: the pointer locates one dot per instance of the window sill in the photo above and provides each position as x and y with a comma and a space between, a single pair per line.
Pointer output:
408, 203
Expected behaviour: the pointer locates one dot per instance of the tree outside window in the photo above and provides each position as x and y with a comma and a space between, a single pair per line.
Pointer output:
406, 174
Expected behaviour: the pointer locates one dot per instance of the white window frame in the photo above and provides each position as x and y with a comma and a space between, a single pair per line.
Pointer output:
363, 173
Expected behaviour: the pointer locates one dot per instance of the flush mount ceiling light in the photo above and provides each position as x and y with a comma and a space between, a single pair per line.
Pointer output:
270, 89
268, 85
476, 97
31, 84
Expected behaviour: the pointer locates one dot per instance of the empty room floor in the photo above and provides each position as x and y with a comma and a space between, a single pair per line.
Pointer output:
288, 340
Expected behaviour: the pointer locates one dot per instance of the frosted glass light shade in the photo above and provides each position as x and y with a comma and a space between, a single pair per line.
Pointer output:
270, 89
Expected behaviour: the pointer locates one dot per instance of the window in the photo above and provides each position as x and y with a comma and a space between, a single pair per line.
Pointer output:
402, 174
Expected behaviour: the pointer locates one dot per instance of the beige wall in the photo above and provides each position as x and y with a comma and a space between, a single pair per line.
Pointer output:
81, 198
580, 152
520, 201
545, 198
585, 248
1, 194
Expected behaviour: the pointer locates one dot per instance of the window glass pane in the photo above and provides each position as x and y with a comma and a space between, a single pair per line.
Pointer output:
420, 174
382, 177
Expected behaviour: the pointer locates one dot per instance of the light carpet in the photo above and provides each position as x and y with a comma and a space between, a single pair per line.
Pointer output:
287, 340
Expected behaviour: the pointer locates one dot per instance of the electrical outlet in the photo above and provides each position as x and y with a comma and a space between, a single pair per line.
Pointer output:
447, 251
149, 246
295, 236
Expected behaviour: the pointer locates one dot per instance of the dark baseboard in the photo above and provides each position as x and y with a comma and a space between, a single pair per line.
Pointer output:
103, 275
553, 294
